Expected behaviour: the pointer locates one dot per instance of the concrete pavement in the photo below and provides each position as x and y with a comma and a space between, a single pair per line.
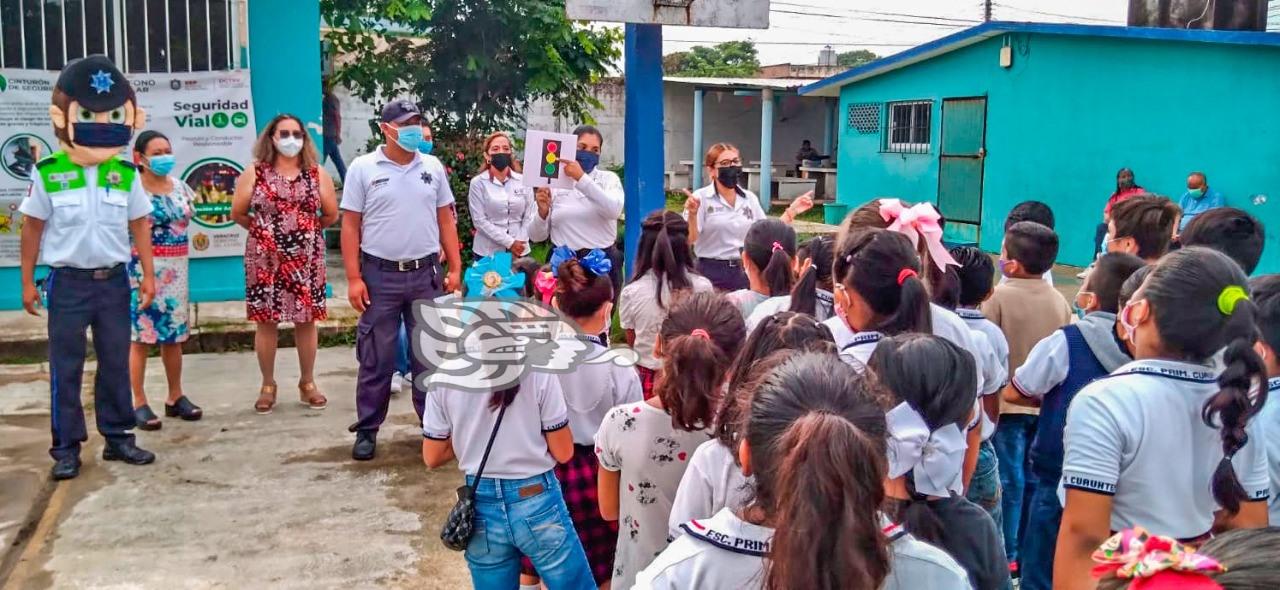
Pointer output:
236, 500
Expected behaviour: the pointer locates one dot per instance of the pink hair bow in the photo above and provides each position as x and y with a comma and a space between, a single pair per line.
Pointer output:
1154, 562
545, 283
919, 220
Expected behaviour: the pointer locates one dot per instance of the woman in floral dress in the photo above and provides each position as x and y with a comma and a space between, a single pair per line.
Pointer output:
164, 323
285, 200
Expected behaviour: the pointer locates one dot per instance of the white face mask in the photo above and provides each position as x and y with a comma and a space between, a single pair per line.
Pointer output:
289, 146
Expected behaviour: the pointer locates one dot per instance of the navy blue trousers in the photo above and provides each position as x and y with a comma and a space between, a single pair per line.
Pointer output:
77, 301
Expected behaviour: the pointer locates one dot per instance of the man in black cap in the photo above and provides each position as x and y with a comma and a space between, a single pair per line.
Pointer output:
84, 204
397, 221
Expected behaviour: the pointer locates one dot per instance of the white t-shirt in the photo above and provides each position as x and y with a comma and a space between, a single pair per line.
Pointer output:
1269, 418
590, 391
722, 228
1137, 436
639, 311
725, 552
639, 441
712, 481
520, 449
746, 301
782, 303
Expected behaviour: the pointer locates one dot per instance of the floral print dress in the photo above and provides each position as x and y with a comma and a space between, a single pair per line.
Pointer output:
638, 440
165, 321
284, 270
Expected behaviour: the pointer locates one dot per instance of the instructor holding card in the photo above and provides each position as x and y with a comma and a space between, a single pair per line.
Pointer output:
584, 217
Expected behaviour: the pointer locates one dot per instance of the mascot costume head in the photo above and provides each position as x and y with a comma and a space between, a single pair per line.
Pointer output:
94, 110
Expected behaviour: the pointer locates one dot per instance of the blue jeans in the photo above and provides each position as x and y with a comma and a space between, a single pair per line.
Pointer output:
1012, 441
1040, 539
332, 152
984, 488
402, 355
536, 524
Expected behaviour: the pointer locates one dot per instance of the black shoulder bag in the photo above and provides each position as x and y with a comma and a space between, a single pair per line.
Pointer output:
459, 525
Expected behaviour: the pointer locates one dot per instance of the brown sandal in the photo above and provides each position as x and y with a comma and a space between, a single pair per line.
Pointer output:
266, 399
311, 397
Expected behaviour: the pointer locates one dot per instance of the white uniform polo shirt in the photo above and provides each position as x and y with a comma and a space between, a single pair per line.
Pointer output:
857, 351
88, 227
585, 216
713, 481
502, 212
520, 449
722, 228
1137, 436
946, 324
590, 391
397, 204
1269, 417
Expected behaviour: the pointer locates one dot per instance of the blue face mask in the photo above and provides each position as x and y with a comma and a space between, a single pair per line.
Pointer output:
589, 160
409, 137
425, 146
162, 164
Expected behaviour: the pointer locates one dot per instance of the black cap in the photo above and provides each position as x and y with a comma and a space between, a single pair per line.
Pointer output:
95, 83
399, 111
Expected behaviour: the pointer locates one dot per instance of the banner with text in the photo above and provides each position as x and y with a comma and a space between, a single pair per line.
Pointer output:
208, 117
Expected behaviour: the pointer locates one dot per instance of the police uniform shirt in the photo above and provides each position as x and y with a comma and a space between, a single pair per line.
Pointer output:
86, 211
1269, 418
725, 552
722, 228
397, 204
585, 216
714, 480
502, 212
1137, 436
520, 449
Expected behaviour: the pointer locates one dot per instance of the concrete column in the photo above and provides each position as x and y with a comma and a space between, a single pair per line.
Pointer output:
695, 177
766, 148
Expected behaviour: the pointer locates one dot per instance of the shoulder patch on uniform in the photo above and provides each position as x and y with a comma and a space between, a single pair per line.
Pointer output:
46, 161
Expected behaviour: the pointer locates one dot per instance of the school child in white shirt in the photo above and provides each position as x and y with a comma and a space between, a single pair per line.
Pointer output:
644, 447
930, 385
664, 272
814, 437
878, 291
714, 478
1266, 297
768, 255
1168, 441
812, 292
1056, 369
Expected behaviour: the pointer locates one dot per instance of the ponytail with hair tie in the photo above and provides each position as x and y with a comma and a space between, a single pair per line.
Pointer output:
905, 274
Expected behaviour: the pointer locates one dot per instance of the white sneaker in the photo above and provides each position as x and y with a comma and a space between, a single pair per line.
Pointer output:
397, 383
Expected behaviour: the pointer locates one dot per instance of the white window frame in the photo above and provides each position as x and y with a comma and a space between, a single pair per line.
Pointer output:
911, 125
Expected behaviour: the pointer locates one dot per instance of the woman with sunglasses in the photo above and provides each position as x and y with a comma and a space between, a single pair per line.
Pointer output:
285, 200
720, 214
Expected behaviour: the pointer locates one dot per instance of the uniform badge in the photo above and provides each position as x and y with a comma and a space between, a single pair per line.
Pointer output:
113, 177
101, 82
426, 177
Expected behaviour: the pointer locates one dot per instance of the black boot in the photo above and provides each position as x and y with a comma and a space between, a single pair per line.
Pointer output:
366, 445
128, 452
66, 468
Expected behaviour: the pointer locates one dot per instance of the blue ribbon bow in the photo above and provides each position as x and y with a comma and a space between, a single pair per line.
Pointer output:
492, 276
595, 261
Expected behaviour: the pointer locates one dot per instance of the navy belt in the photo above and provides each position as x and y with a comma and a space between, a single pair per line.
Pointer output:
401, 265
730, 262
96, 274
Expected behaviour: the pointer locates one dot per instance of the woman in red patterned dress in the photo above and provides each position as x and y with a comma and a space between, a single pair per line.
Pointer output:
285, 201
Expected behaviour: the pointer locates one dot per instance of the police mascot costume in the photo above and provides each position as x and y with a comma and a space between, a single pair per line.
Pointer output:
84, 204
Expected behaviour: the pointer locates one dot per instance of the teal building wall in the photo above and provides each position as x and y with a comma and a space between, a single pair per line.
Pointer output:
1070, 112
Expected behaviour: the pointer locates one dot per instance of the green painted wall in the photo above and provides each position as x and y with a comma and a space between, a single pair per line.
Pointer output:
1073, 110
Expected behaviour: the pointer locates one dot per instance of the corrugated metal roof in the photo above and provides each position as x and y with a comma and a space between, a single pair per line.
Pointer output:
743, 83
831, 86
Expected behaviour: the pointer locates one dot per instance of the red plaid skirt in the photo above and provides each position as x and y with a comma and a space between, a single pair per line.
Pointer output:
599, 536
647, 379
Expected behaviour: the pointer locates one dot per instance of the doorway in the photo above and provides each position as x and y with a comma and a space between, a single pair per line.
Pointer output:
961, 162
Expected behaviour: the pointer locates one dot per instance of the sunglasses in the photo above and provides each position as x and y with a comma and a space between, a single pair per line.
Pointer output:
282, 134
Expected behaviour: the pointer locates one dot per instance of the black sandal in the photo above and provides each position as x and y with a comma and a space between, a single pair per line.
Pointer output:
147, 420
184, 409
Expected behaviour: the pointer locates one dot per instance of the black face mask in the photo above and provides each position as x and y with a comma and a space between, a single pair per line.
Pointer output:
500, 161
102, 134
729, 175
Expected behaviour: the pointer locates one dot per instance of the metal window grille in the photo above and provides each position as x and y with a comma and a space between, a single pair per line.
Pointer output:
139, 35
909, 127
865, 117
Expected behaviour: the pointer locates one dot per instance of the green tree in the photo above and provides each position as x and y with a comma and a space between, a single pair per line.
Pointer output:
731, 59
853, 59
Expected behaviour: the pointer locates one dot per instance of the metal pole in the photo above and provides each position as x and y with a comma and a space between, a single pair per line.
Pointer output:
105, 50
22, 33
695, 177
62, 7
208, 38
84, 30
146, 25
2, 62
122, 31
766, 148
644, 151
186, 13
168, 42
44, 39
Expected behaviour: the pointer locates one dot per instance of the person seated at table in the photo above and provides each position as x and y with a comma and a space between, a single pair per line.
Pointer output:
807, 156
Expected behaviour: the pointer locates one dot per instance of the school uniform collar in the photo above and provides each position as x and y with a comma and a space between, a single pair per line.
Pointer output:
970, 314
1171, 369
726, 531
737, 203
512, 175
863, 338
381, 158
1273, 384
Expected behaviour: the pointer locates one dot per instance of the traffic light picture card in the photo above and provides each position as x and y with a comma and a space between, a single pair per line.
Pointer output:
544, 154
